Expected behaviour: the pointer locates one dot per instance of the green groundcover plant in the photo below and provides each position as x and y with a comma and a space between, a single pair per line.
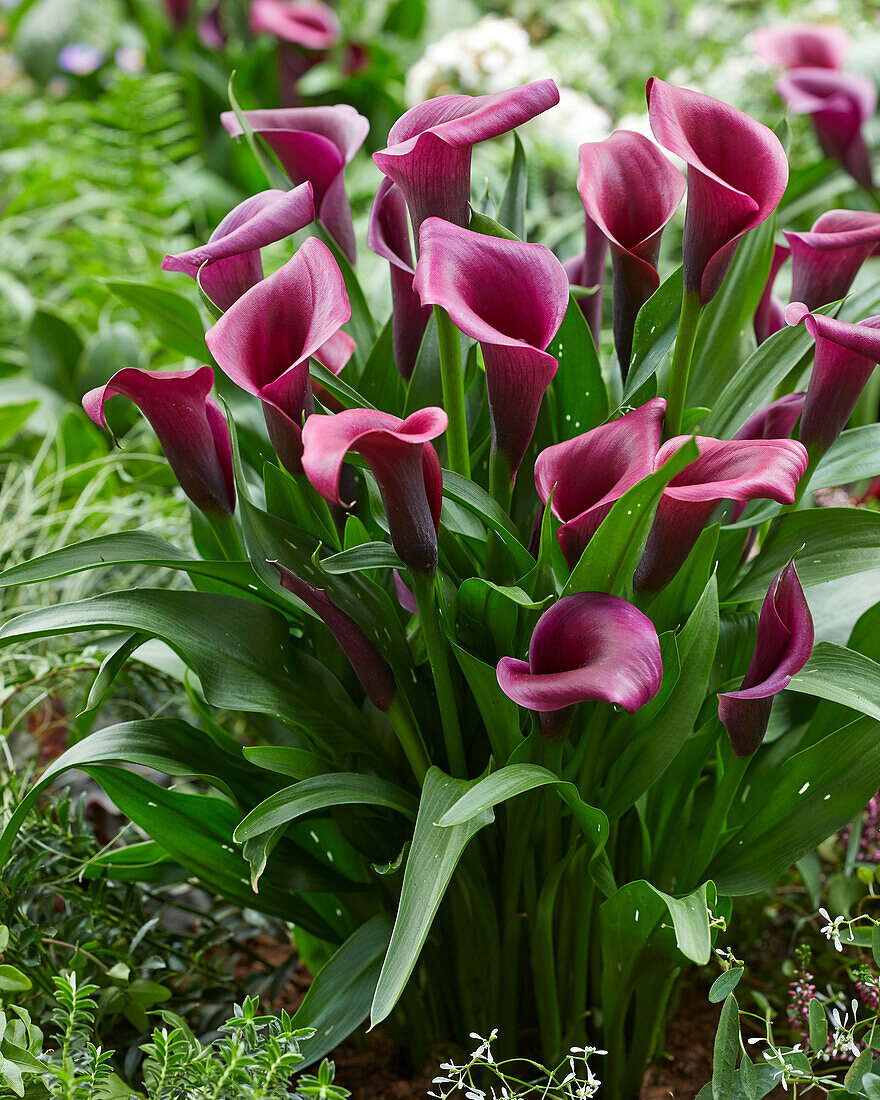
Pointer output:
520, 617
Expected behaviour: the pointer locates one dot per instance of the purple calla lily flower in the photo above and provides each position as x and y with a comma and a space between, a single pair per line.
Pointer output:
588, 270
846, 355
737, 173
776, 421
802, 45
313, 144
369, 665
590, 646
511, 297
783, 647
769, 314
839, 105
188, 423
388, 237
403, 461
630, 190
212, 30
232, 253
178, 11
264, 340
429, 148
827, 259
587, 474
306, 30
726, 469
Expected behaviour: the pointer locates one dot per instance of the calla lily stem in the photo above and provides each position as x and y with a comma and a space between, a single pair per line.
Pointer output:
689, 322
452, 379
227, 536
435, 644
401, 719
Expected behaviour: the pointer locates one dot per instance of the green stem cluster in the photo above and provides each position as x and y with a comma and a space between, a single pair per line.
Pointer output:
689, 322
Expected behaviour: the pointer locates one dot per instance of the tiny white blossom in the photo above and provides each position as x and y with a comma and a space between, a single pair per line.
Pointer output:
831, 929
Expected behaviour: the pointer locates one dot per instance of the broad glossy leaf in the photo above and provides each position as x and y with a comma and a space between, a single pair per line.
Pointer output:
174, 319
478, 501
512, 211
854, 455
842, 676
577, 393
690, 918
285, 760
725, 983
725, 1050
361, 324
656, 326
430, 865
369, 555
501, 716
380, 382
345, 394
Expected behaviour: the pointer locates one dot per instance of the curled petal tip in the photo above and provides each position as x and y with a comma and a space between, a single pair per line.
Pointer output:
795, 312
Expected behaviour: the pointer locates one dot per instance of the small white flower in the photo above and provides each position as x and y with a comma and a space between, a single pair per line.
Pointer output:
831, 929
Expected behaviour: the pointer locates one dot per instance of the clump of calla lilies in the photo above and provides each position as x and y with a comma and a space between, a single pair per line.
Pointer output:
523, 605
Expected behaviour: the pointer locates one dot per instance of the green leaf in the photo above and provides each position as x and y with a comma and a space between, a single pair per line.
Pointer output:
174, 319
361, 324
489, 227
275, 176
725, 983
380, 381
656, 326
842, 676
799, 804
12, 980
748, 1078
726, 1050
369, 555
14, 417
346, 395
339, 998
425, 384
852, 1082
612, 554
871, 1086
54, 349
319, 793
837, 542
690, 917
854, 455
284, 760
577, 393
429, 867
818, 1025
477, 500
875, 943
512, 211
109, 670
501, 716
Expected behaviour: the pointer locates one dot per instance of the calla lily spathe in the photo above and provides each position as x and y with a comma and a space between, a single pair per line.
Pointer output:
511, 297
839, 104
388, 237
232, 254
826, 259
802, 45
630, 190
188, 423
726, 469
429, 148
846, 355
589, 646
587, 474
769, 313
313, 144
403, 461
587, 269
783, 647
305, 29
737, 173
263, 342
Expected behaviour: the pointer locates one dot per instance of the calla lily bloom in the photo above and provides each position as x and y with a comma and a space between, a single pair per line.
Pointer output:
827, 259
511, 297
263, 342
776, 421
429, 148
737, 172
726, 469
588, 270
784, 644
306, 30
769, 314
846, 355
313, 144
630, 190
188, 423
369, 665
388, 237
839, 105
178, 11
232, 254
802, 45
403, 461
587, 474
590, 646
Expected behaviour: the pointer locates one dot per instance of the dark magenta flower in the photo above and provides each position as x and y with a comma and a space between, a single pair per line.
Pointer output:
839, 104
587, 474
587, 269
783, 647
305, 29
313, 144
802, 45
769, 314
776, 421
264, 340
827, 258
403, 461
845, 358
178, 11
737, 174
429, 148
726, 469
232, 253
212, 29
590, 646
630, 190
388, 237
188, 423
511, 297
369, 665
